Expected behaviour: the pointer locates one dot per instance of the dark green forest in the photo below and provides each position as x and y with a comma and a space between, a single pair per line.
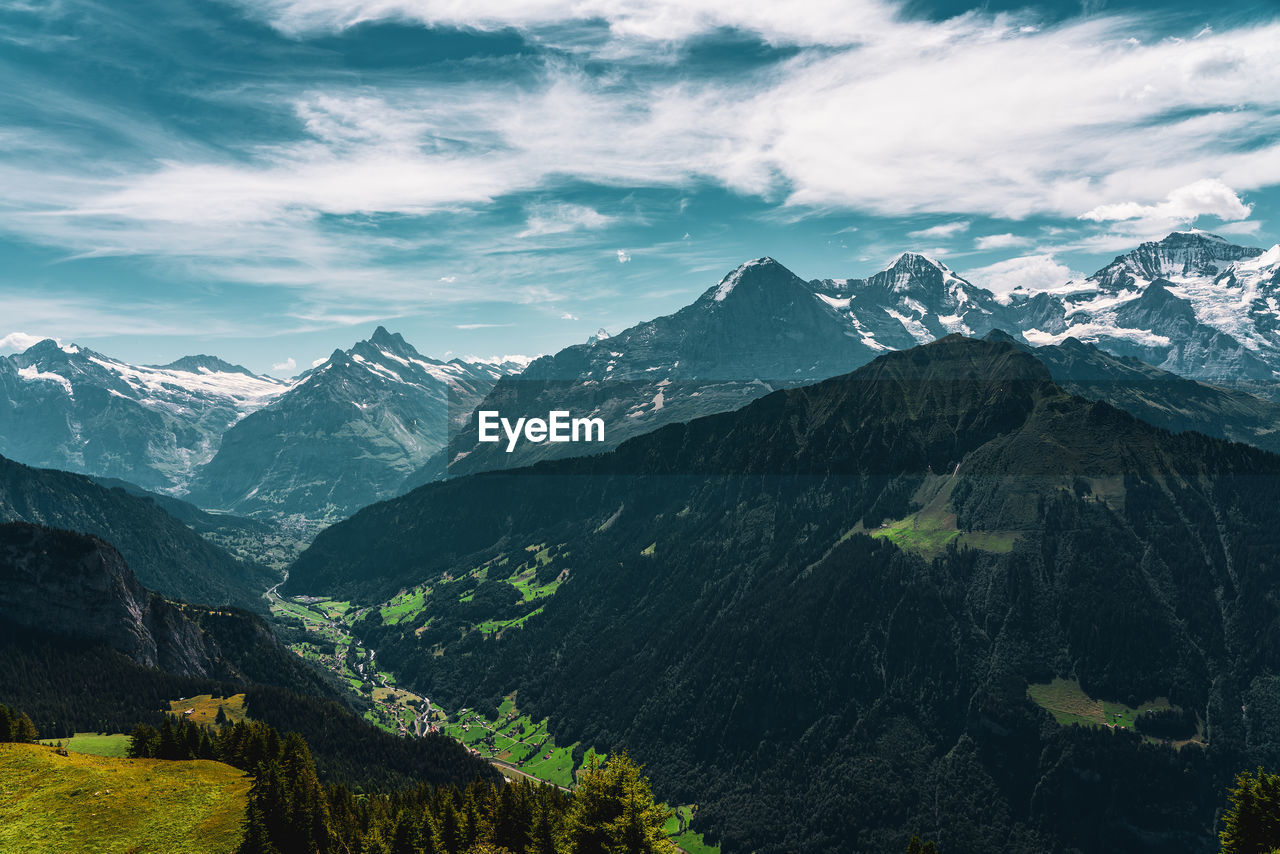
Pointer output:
165, 554
814, 687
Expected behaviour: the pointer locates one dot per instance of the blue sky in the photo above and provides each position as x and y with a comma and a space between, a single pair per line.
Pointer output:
267, 180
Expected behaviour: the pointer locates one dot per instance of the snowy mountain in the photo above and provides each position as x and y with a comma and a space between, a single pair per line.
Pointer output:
1191, 303
759, 329
914, 301
346, 434
68, 407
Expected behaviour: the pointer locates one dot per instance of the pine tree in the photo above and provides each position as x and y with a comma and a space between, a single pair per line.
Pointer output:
613, 812
24, 731
1252, 822
448, 838
144, 741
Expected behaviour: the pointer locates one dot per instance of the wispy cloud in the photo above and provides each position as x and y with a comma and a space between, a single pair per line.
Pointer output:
480, 325
382, 195
561, 218
1001, 241
816, 22
941, 232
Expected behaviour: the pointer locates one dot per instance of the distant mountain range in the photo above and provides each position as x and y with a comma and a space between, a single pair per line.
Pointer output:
1191, 304
68, 407
340, 436
379, 418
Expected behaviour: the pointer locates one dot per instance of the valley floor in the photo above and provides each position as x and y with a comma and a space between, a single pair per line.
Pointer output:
513, 742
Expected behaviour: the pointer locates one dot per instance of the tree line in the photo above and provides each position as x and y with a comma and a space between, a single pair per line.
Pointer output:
291, 812
15, 726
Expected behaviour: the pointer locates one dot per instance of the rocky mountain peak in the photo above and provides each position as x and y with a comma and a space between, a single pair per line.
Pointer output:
757, 277
385, 339
1180, 254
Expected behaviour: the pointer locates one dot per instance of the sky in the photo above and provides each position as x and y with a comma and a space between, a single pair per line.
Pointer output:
268, 180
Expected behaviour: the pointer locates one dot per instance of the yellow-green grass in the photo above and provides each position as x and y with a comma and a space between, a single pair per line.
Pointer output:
527, 584
678, 820
404, 606
82, 804
1069, 704
95, 743
694, 844
494, 626
206, 708
333, 610
927, 533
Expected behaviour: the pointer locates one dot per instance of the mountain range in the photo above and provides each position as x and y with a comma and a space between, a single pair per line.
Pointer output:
68, 407
346, 434
838, 595
379, 418
337, 437
1176, 304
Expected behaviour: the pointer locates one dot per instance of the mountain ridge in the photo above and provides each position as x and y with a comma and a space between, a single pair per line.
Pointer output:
863, 575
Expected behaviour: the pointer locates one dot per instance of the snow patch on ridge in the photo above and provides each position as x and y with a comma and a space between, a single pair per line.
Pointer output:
34, 374
729, 282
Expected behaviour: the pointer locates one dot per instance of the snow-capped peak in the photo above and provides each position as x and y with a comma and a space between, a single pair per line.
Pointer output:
729, 282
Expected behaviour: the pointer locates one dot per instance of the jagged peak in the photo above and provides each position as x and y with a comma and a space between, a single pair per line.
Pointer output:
748, 270
916, 260
49, 345
381, 337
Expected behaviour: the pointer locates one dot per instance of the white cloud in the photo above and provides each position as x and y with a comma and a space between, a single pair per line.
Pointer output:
557, 219
480, 325
1239, 228
288, 366
1029, 272
940, 232
568, 316
315, 363
17, 342
978, 115
1000, 241
624, 256
1206, 197
815, 22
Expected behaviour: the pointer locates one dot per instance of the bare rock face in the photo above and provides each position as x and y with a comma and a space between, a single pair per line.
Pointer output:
79, 586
